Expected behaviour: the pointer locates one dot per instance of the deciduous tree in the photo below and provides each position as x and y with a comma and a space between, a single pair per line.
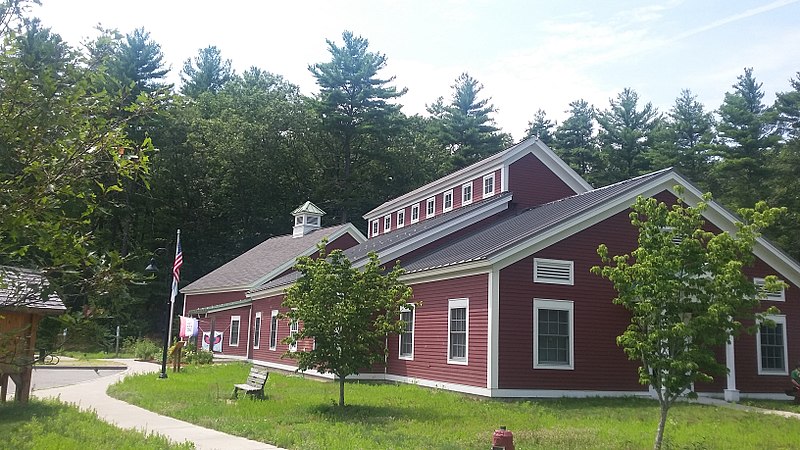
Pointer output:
686, 293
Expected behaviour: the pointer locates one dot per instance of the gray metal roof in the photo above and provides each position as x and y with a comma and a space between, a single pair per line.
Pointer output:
26, 289
256, 263
505, 234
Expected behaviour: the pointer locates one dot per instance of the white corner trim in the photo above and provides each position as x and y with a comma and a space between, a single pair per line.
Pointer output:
492, 350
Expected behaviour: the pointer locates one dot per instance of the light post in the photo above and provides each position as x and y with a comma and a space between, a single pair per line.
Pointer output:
153, 268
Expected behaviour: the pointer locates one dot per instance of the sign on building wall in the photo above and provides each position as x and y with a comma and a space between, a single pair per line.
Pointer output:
217, 340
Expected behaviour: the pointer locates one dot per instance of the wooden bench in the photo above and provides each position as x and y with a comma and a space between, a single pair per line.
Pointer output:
255, 382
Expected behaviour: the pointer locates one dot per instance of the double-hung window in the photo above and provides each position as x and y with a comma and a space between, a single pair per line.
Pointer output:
772, 356
553, 335
375, 227
447, 202
233, 341
401, 218
488, 185
273, 330
257, 331
407, 335
415, 213
466, 194
458, 331
387, 223
294, 328
430, 207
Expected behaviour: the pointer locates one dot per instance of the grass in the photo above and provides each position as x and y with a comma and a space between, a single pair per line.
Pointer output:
95, 355
301, 413
49, 425
778, 405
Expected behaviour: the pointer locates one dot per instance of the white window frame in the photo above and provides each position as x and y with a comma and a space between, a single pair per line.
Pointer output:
238, 320
294, 328
779, 319
771, 296
466, 191
375, 227
400, 355
401, 218
298, 220
273, 330
452, 304
562, 305
491, 192
257, 325
445, 208
415, 213
538, 262
387, 223
430, 207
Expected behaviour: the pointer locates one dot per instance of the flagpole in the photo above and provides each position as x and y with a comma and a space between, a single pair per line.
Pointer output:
174, 287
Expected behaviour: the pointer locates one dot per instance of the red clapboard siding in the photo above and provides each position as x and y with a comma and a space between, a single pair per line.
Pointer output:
533, 183
223, 323
599, 363
430, 333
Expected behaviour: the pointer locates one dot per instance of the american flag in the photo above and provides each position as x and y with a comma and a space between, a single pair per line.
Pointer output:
176, 268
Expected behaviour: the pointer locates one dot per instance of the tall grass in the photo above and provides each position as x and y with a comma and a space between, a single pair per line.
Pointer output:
49, 425
301, 413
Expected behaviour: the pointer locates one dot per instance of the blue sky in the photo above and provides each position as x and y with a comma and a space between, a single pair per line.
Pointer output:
528, 54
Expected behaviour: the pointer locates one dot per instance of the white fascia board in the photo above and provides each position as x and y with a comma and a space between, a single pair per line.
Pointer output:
480, 267
561, 169
349, 228
405, 246
215, 290
216, 309
267, 293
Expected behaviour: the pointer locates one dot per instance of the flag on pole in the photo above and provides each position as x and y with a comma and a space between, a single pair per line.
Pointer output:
176, 268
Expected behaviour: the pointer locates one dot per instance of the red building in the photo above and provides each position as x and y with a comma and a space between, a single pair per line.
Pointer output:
498, 254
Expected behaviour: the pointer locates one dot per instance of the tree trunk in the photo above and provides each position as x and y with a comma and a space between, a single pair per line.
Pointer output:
341, 391
661, 424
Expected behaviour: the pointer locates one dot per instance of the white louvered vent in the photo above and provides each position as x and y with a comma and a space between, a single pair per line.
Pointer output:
553, 271
775, 296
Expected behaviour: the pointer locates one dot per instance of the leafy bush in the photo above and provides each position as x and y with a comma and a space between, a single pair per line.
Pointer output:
142, 348
193, 355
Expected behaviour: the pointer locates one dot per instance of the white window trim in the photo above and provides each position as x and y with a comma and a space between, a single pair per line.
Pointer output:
387, 223
414, 208
298, 220
428, 202
273, 321
375, 227
413, 312
238, 331
294, 328
778, 319
486, 177
401, 218
464, 188
257, 333
564, 305
561, 262
445, 208
780, 297
455, 304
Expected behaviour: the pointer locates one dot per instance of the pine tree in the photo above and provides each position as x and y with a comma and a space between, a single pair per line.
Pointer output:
541, 127
574, 142
208, 72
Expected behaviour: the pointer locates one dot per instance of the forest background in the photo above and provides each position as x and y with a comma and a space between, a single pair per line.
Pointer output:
101, 159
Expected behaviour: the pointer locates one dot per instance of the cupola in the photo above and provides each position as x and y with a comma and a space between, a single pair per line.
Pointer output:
307, 218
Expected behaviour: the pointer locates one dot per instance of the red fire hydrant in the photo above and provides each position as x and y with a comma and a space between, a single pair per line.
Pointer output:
502, 439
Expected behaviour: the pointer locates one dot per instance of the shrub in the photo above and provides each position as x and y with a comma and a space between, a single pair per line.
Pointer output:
193, 355
142, 348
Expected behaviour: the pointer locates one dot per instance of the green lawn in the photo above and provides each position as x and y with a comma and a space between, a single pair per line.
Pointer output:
300, 413
49, 425
780, 405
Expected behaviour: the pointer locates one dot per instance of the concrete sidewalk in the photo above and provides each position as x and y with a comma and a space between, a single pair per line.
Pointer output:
91, 395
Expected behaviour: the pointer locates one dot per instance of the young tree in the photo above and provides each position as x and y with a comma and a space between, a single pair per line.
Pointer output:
686, 293
208, 72
346, 311
541, 127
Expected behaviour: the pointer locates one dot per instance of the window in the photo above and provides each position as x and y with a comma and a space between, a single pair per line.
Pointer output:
553, 271
407, 335
375, 227
294, 328
387, 223
457, 331
234, 338
298, 220
776, 296
273, 330
312, 220
488, 185
553, 334
415, 213
430, 207
257, 331
448, 201
772, 357
466, 194
401, 218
